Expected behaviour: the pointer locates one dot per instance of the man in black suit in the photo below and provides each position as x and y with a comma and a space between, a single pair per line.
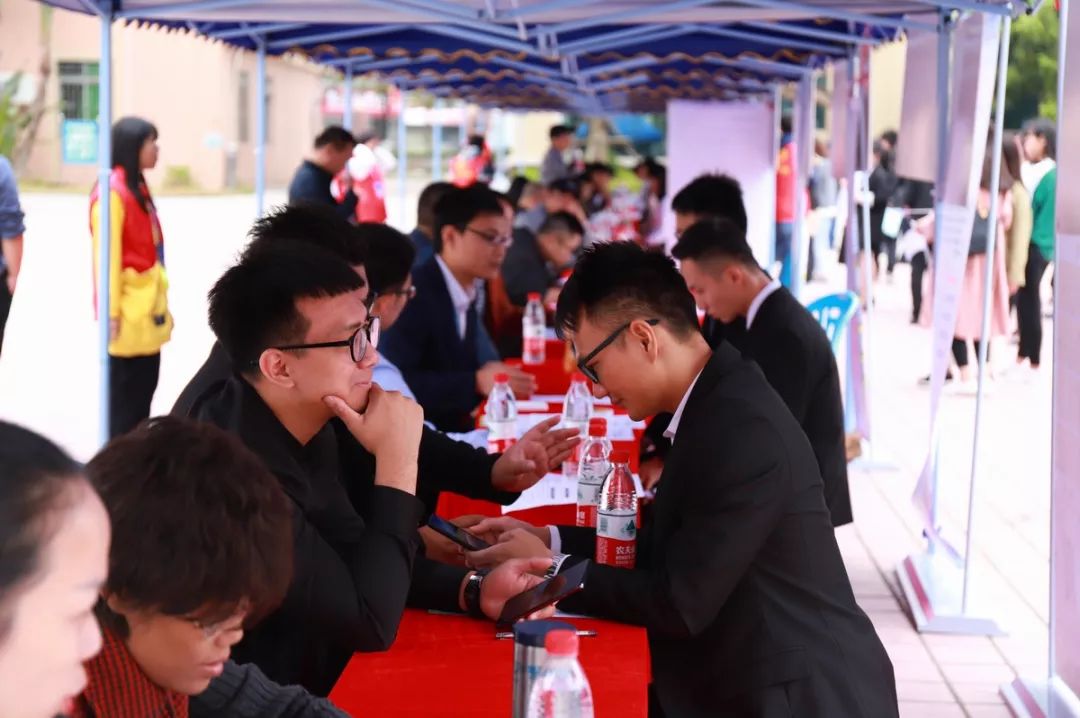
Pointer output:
535, 262
317, 227
439, 343
294, 321
739, 580
768, 325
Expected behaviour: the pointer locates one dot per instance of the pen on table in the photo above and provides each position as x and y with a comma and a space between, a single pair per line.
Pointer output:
510, 634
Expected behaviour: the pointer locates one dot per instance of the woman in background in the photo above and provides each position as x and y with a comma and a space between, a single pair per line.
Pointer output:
139, 319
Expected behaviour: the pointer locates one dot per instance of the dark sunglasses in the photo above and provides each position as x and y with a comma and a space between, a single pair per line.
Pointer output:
366, 336
583, 362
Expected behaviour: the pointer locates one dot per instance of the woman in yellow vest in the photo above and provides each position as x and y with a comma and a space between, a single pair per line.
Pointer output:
139, 319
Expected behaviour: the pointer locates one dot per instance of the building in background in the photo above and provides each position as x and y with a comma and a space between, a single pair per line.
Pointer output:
200, 94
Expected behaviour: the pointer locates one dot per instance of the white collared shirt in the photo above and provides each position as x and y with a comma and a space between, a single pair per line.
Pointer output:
759, 300
673, 426
460, 297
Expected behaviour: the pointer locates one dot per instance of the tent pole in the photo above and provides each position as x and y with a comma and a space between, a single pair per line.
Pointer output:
105, 222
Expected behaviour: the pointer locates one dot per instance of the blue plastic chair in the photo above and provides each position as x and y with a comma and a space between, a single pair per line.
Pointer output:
834, 313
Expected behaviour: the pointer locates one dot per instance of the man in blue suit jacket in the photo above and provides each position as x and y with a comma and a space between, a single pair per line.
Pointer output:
440, 343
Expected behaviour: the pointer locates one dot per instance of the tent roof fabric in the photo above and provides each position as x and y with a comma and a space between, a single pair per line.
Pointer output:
582, 55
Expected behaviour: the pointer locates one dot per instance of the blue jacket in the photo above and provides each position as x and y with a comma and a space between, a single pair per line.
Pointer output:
437, 363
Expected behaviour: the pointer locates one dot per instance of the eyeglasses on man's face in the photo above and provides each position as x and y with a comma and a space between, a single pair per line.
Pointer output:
407, 292
367, 335
494, 239
585, 361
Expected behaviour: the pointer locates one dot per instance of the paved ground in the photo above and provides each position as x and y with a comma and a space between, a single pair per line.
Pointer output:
48, 382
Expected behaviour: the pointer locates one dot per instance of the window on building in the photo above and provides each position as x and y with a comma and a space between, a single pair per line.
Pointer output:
243, 111
78, 90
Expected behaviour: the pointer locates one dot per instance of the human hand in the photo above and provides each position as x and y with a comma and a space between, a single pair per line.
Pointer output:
390, 428
510, 579
522, 383
492, 529
439, 548
650, 471
541, 449
516, 543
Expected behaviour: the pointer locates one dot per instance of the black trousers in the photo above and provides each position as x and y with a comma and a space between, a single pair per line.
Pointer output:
960, 352
5, 305
1029, 307
132, 381
919, 264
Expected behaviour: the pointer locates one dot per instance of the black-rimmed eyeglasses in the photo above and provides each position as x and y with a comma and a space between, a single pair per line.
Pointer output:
365, 336
583, 362
498, 241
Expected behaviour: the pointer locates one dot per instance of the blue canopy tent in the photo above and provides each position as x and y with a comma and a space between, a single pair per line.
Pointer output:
585, 56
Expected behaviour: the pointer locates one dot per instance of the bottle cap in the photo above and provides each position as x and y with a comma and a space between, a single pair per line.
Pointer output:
534, 633
561, 643
598, 427
620, 457
576, 377
533, 296
502, 378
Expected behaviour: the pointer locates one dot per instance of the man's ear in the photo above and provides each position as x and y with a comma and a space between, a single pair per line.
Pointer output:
643, 335
274, 368
449, 236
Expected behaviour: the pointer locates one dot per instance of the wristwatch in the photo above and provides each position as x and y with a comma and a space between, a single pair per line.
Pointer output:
556, 563
472, 594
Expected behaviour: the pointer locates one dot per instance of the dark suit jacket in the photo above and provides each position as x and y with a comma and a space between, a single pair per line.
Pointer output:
439, 366
797, 358
739, 580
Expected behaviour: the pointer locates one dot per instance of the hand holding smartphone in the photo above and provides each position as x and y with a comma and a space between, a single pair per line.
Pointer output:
463, 538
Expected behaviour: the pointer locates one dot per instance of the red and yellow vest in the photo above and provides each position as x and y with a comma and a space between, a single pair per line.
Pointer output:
138, 286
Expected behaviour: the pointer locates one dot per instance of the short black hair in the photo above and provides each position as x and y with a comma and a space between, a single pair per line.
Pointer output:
200, 527
618, 282
785, 124
253, 304
309, 224
712, 195
337, 136
595, 168
566, 185
461, 205
429, 197
390, 259
35, 480
562, 222
558, 131
714, 238
891, 137
1042, 127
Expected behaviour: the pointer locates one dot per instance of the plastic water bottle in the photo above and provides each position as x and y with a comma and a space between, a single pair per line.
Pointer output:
533, 329
593, 470
501, 413
561, 690
577, 410
616, 516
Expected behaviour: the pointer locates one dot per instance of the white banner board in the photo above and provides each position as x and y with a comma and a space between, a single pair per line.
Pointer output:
733, 138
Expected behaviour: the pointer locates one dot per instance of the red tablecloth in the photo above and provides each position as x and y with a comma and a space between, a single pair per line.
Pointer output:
448, 666
551, 376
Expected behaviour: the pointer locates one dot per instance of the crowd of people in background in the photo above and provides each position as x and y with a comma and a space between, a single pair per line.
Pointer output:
227, 560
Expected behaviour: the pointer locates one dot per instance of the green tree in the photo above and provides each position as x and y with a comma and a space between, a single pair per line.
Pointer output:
1033, 67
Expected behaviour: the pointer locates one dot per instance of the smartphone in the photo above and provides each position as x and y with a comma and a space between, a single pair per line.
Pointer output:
566, 583
468, 541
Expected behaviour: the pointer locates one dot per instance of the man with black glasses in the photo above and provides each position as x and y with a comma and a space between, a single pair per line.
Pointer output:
439, 343
739, 579
294, 322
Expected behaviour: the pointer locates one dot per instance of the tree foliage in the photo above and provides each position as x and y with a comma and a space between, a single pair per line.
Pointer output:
1033, 67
